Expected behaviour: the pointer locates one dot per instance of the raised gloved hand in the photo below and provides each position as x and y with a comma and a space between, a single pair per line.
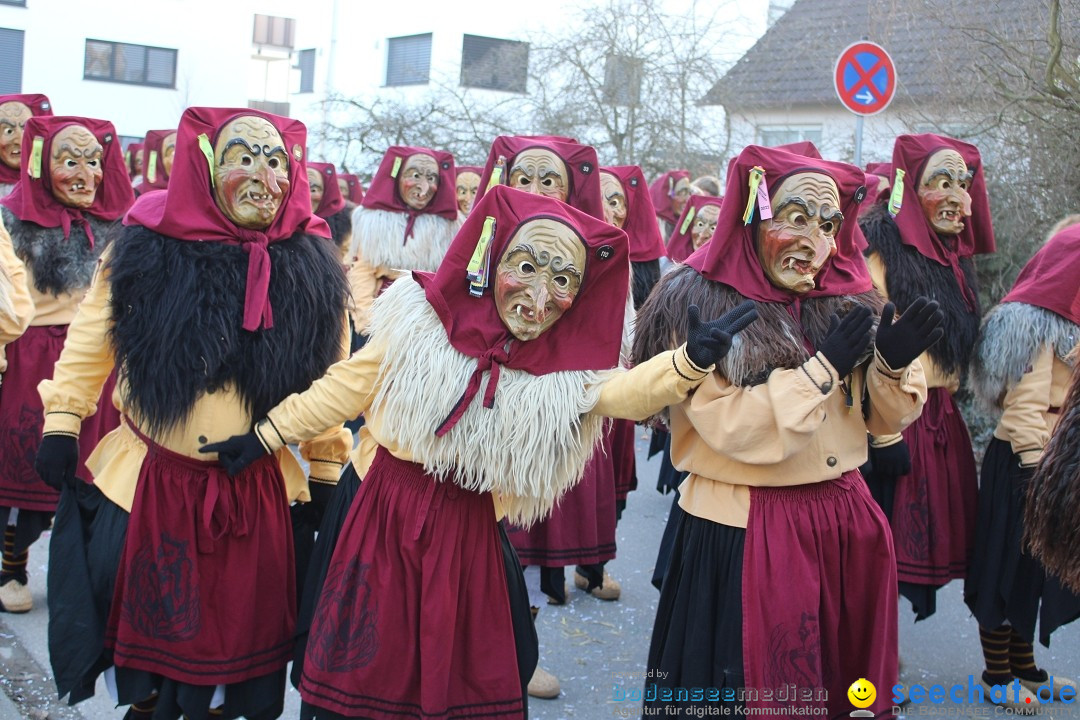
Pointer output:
237, 452
891, 461
708, 343
917, 329
57, 459
847, 339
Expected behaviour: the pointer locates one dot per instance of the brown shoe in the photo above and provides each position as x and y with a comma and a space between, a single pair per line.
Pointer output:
543, 684
15, 597
609, 590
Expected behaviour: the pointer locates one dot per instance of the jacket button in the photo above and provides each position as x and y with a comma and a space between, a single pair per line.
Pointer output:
831, 462
202, 439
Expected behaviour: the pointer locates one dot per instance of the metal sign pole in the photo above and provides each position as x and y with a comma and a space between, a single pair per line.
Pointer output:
858, 140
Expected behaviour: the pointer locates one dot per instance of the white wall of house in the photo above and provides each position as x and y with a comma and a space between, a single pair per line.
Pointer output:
218, 64
214, 64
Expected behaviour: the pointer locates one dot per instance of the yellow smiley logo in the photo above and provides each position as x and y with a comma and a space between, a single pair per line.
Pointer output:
862, 693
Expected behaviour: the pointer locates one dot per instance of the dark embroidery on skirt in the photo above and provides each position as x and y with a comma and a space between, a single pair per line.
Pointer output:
161, 599
344, 636
794, 655
21, 446
916, 534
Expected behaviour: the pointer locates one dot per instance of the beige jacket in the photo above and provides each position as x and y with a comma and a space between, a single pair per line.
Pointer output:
795, 429
80, 373
17, 305
1033, 406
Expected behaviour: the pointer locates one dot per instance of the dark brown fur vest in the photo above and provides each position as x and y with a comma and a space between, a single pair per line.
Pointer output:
59, 265
909, 275
178, 307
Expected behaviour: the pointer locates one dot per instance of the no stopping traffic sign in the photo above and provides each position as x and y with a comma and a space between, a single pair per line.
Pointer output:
865, 78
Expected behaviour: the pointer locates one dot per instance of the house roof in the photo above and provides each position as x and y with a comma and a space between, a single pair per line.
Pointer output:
937, 46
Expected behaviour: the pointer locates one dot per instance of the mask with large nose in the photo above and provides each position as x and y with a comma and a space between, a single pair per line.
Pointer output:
75, 166
943, 192
538, 277
541, 172
419, 180
13, 117
251, 172
799, 240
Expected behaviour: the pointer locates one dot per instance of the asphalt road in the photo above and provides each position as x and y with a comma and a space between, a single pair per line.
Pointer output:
595, 648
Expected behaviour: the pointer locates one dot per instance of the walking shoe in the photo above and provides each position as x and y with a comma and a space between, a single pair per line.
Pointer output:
1024, 704
15, 597
609, 590
1058, 684
543, 684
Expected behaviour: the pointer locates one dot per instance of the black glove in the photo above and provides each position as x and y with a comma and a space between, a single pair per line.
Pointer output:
847, 339
891, 461
917, 329
57, 459
708, 343
237, 452
321, 493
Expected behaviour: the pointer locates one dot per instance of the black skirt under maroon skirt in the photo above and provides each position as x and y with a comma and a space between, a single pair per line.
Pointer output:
933, 515
1005, 584
30, 360
581, 528
624, 460
804, 596
415, 617
192, 590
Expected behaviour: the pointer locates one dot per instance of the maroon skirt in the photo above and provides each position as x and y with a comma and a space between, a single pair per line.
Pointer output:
581, 528
30, 360
623, 434
934, 507
205, 592
414, 618
819, 594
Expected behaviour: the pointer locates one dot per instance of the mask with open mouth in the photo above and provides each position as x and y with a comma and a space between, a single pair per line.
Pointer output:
943, 191
800, 239
75, 166
419, 180
13, 117
538, 277
251, 172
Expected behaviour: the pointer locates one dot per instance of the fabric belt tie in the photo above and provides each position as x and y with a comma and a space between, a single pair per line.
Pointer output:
221, 514
490, 360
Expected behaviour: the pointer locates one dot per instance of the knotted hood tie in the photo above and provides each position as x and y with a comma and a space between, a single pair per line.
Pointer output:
961, 280
409, 226
490, 360
70, 215
257, 311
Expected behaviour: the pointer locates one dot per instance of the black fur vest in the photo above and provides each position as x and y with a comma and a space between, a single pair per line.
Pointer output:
776, 340
909, 275
58, 265
177, 310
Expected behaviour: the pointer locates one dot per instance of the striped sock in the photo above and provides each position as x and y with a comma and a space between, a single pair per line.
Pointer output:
995, 647
13, 564
1022, 659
